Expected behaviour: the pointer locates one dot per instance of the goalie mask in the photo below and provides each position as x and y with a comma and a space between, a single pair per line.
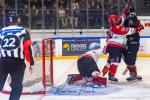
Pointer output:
94, 46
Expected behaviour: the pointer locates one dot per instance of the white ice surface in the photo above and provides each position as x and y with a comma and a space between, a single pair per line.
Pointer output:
129, 91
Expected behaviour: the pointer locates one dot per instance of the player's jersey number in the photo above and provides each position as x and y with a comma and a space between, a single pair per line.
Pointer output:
10, 42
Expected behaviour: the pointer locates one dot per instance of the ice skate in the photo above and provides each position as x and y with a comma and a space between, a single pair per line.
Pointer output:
134, 77
112, 78
133, 74
112, 72
139, 77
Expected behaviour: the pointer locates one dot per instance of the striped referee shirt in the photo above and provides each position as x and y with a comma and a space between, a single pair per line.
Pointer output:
15, 42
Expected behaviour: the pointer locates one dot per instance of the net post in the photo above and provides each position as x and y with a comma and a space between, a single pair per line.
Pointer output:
43, 64
51, 61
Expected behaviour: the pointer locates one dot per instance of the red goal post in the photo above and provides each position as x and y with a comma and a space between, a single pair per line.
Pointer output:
50, 61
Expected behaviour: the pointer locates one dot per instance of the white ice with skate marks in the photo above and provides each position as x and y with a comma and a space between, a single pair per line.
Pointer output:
139, 90
83, 90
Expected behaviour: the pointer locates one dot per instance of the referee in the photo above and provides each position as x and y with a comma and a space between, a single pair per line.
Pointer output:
15, 46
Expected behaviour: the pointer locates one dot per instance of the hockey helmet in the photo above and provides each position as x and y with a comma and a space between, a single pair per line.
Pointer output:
13, 17
94, 46
113, 19
132, 13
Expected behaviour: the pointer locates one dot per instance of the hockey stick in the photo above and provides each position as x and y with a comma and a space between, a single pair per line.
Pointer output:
124, 2
125, 71
128, 2
132, 3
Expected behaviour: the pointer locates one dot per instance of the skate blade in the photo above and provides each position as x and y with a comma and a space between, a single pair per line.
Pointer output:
135, 80
112, 82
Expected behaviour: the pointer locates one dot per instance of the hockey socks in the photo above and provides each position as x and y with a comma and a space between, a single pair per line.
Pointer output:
112, 72
133, 74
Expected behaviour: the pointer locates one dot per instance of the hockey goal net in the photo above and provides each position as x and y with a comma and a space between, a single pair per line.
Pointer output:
57, 59
42, 76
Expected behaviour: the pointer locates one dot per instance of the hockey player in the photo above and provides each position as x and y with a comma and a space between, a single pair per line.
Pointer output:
133, 42
116, 44
87, 66
15, 47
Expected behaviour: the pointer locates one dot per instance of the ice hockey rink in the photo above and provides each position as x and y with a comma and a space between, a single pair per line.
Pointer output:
137, 90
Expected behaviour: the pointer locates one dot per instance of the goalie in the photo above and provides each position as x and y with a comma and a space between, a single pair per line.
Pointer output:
87, 67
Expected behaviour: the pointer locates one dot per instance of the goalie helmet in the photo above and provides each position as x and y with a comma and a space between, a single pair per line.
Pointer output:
13, 17
94, 46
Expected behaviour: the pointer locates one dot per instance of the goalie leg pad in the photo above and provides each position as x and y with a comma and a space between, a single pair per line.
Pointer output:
100, 80
73, 78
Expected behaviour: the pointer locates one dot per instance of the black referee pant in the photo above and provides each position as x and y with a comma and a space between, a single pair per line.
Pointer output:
14, 67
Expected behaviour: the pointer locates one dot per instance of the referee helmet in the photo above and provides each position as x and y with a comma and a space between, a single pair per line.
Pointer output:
13, 17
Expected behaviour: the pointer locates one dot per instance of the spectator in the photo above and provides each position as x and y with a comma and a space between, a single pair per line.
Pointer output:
98, 17
47, 18
83, 14
10, 3
33, 3
76, 13
25, 2
92, 4
24, 18
48, 3
82, 4
34, 16
39, 4
62, 16
68, 15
